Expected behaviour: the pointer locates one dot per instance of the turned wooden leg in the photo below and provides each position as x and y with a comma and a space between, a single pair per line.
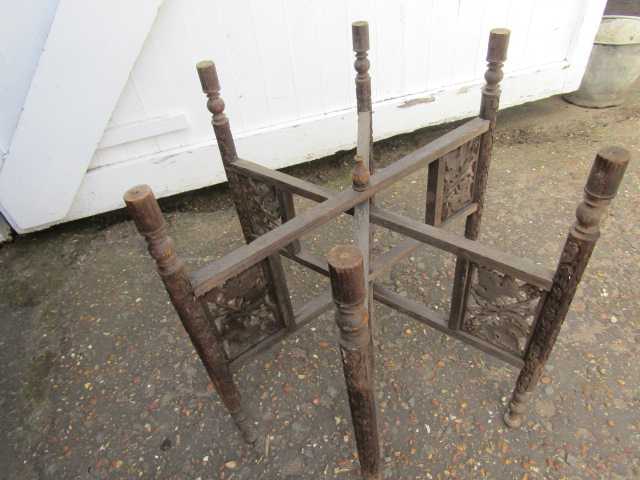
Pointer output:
348, 288
602, 185
254, 200
150, 222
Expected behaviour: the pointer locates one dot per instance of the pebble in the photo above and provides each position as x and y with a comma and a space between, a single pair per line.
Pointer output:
573, 461
332, 392
549, 390
296, 426
428, 449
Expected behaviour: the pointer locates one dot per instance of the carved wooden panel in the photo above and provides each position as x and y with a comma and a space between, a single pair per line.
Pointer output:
500, 309
262, 202
459, 177
242, 311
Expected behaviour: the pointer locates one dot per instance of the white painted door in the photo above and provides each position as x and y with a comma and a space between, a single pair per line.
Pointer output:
116, 101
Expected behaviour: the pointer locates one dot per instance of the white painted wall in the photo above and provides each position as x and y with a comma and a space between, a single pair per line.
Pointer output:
24, 29
286, 70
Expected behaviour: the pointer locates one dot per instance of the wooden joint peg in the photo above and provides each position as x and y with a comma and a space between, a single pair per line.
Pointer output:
360, 174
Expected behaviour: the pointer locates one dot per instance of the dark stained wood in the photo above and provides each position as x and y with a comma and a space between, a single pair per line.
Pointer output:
309, 261
313, 308
360, 174
496, 55
398, 170
282, 181
360, 35
602, 185
408, 246
211, 87
150, 223
364, 232
383, 263
255, 206
269, 243
280, 290
307, 313
465, 248
438, 321
242, 311
250, 281
435, 180
346, 272
287, 212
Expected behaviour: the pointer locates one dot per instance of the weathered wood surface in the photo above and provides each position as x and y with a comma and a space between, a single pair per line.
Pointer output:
269, 243
385, 261
496, 55
396, 171
248, 286
287, 212
501, 309
465, 248
303, 316
409, 245
256, 204
150, 223
362, 228
346, 271
438, 320
602, 185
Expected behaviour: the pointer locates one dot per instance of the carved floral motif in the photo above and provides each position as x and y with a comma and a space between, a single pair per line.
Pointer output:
459, 177
262, 201
242, 311
571, 266
501, 309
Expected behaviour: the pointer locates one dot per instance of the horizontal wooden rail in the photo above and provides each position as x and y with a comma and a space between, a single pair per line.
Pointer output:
239, 260
439, 321
409, 245
308, 260
471, 250
385, 261
302, 317
282, 181
399, 169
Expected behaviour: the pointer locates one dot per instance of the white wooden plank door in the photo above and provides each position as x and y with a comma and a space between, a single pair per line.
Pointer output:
89, 53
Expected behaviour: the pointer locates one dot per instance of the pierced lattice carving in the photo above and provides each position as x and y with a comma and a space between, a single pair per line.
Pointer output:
501, 309
242, 311
262, 201
459, 177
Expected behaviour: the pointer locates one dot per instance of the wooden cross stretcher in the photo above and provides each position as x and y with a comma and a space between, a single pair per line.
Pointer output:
238, 306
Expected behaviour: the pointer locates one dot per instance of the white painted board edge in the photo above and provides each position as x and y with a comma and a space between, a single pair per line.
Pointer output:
72, 95
199, 166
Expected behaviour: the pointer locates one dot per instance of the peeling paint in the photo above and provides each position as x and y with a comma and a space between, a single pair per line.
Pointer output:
416, 101
163, 160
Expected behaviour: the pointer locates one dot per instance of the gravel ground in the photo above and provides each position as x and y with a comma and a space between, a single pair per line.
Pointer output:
98, 379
